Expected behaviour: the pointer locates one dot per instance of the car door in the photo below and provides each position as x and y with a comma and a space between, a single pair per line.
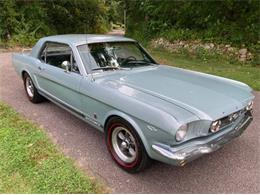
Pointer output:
54, 81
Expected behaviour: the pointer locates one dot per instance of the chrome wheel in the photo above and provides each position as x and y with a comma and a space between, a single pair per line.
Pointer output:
29, 87
124, 144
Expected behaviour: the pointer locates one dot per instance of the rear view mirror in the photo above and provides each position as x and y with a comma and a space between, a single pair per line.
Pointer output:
66, 65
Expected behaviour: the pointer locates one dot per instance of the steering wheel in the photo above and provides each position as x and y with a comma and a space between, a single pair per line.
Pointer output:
129, 58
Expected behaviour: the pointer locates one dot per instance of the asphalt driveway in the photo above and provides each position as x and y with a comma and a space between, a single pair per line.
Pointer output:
232, 169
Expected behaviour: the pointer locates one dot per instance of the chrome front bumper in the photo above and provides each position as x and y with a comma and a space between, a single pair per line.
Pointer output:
197, 148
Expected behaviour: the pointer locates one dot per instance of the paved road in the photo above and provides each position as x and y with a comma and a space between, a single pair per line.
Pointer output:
233, 169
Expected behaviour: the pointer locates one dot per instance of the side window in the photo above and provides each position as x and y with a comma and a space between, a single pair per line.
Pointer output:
56, 53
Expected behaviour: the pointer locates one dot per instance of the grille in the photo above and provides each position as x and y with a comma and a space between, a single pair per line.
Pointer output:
225, 122
231, 118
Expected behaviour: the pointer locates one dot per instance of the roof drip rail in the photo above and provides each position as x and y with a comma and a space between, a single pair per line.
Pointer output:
26, 50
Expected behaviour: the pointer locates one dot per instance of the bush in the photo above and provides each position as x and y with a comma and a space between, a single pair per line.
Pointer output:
230, 21
23, 22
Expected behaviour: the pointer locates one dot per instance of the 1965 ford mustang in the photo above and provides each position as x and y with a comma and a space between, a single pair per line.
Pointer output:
146, 110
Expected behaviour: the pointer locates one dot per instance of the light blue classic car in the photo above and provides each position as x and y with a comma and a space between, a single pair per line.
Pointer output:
146, 110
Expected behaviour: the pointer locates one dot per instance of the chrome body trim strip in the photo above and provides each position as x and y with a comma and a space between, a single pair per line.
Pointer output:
72, 110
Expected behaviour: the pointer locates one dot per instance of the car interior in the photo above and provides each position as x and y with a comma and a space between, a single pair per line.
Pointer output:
55, 54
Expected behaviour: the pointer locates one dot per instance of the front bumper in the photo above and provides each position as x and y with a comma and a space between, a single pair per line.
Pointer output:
196, 148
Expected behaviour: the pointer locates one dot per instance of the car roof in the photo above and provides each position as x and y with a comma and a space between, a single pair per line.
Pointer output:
78, 39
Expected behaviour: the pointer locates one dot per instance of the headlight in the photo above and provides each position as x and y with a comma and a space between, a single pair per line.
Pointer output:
215, 126
249, 105
181, 133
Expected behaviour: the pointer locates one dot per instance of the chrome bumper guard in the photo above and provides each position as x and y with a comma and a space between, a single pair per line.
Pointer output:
197, 149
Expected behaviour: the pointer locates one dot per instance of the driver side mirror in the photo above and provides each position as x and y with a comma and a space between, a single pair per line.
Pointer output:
66, 65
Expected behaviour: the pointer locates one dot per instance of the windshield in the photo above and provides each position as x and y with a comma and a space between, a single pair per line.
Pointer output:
115, 55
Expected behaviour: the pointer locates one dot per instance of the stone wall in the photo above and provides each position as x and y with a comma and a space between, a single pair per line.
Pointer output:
241, 54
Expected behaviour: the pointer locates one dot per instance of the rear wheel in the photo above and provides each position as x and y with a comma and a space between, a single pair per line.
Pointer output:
30, 90
125, 146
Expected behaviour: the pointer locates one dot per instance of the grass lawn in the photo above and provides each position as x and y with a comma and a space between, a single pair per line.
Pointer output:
246, 73
30, 163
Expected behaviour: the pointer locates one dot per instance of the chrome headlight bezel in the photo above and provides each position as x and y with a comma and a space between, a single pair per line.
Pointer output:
181, 133
215, 126
250, 106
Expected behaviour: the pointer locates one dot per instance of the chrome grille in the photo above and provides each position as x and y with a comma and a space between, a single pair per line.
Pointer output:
230, 119
225, 121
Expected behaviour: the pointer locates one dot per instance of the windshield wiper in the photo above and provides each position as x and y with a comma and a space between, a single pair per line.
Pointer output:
138, 62
106, 68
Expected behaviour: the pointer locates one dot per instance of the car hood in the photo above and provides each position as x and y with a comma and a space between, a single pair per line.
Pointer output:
208, 97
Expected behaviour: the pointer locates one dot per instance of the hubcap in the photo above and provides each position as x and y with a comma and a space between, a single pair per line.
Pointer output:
124, 144
29, 87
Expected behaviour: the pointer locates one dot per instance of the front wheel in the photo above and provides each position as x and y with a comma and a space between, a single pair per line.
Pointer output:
125, 146
30, 90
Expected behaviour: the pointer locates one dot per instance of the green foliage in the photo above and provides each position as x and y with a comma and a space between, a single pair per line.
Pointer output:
114, 11
77, 16
22, 22
256, 50
179, 34
229, 21
30, 163
8, 19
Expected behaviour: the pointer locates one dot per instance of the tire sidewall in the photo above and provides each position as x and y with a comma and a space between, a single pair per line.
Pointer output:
130, 167
26, 76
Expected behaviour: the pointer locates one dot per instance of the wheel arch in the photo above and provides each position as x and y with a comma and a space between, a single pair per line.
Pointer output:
24, 71
132, 122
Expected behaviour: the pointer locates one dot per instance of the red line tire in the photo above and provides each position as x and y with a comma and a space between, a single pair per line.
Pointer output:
137, 162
